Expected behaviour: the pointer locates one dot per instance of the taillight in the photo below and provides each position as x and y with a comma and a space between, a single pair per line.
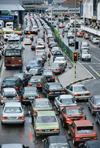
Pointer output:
38, 96
88, 94
50, 93
22, 118
2, 87
17, 99
63, 63
68, 119
1, 99
38, 130
41, 61
29, 85
24, 97
40, 85
95, 108
16, 88
4, 118
95, 138
53, 77
34, 112
56, 129
63, 92
49, 69
31, 46
77, 139
77, 95
58, 69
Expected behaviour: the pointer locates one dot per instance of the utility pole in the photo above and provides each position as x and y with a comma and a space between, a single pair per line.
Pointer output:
75, 40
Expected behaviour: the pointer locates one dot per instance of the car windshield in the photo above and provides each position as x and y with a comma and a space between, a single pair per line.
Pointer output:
13, 41
55, 87
30, 92
35, 79
47, 73
42, 104
85, 130
32, 62
12, 110
68, 100
59, 145
59, 59
85, 51
46, 119
33, 70
10, 94
9, 83
79, 88
97, 101
54, 65
85, 44
74, 112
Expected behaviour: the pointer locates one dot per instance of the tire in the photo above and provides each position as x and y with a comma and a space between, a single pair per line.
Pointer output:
2, 123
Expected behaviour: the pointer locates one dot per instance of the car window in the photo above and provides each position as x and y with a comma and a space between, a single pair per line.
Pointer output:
35, 79
92, 99
30, 92
9, 83
97, 101
55, 87
74, 112
46, 119
42, 104
68, 100
79, 88
10, 94
85, 130
59, 145
12, 110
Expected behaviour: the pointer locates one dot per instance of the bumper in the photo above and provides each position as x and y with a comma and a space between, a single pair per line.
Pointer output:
47, 133
82, 97
13, 121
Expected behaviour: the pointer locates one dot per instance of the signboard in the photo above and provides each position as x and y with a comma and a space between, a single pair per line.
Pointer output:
6, 17
4, 12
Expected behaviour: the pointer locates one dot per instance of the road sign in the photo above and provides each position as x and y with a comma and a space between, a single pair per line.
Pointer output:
6, 17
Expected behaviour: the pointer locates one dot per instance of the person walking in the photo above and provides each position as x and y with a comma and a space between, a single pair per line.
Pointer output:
49, 56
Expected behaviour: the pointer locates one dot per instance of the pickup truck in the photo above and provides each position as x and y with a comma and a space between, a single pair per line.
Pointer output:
57, 54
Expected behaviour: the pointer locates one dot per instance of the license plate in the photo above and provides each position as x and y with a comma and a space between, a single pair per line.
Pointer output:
13, 65
86, 138
47, 130
31, 98
56, 92
31, 66
12, 118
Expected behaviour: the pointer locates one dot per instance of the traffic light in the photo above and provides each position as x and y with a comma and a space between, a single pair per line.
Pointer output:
75, 56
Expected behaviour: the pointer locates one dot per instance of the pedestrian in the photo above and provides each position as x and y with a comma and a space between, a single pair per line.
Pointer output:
49, 56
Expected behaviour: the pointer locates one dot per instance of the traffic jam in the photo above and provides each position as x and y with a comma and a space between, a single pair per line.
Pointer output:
36, 87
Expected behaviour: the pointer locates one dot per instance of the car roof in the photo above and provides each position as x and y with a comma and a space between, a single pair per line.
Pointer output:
42, 99
11, 78
37, 77
83, 123
11, 145
46, 113
60, 57
9, 89
93, 143
72, 107
13, 104
77, 85
66, 96
30, 88
57, 139
53, 83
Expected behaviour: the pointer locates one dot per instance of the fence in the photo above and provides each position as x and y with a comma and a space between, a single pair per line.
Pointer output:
58, 39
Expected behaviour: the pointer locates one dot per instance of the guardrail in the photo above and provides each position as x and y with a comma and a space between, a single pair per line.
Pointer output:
63, 46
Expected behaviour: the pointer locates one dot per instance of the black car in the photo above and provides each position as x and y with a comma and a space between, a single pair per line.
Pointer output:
56, 142
57, 68
23, 77
29, 93
90, 144
14, 82
37, 81
71, 42
49, 75
52, 90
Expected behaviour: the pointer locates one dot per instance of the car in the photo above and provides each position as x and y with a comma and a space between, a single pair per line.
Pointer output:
13, 113
42, 104
85, 55
30, 36
41, 43
12, 82
29, 93
57, 54
91, 36
39, 48
64, 100
33, 45
57, 68
53, 44
69, 113
71, 42
8, 95
95, 40
84, 45
70, 35
82, 131
52, 90
46, 123
49, 75
97, 119
43, 55
37, 81
27, 41
34, 63
65, 29
90, 144
94, 104
12, 145
79, 34
23, 78
57, 141
54, 49
78, 91
61, 25
61, 60
86, 36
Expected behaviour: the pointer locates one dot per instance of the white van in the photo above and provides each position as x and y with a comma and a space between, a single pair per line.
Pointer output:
9, 25
7, 33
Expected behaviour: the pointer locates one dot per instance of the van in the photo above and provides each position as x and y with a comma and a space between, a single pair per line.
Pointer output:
9, 25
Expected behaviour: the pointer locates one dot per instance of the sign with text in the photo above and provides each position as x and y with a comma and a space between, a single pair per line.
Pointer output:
6, 17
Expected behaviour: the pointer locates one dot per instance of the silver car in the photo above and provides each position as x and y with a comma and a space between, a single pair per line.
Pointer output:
79, 91
13, 113
94, 104
64, 100
8, 95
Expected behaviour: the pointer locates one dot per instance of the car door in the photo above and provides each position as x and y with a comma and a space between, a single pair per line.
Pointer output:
72, 130
70, 90
91, 102
62, 114
45, 89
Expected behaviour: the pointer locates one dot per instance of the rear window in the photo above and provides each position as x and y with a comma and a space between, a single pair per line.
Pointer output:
13, 110
74, 112
59, 145
47, 73
42, 104
10, 94
46, 119
85, 130
55, 87
9, 83
35, 80
79, 89
30, 92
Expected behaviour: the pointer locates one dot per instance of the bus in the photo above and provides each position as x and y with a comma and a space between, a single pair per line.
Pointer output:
13, 56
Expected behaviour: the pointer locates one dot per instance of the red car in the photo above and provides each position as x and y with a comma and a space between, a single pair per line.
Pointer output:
86, 36
70, 113
82, 131
79, 34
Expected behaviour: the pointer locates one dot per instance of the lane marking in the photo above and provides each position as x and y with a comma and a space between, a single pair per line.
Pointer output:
96, 58
94, 71
91, 63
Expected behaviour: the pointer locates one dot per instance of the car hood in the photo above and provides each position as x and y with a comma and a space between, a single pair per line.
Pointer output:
47, 125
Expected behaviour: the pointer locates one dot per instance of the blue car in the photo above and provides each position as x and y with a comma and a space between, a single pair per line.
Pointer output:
34, 63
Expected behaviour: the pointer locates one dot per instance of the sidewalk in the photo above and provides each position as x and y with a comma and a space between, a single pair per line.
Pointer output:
69, 77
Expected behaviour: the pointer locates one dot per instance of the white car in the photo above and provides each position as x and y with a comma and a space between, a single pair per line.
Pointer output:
95, 40
27, 41
79, 91
54, 49
61, 60
85, 55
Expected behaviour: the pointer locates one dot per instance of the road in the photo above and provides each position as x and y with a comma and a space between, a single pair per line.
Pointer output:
25, 135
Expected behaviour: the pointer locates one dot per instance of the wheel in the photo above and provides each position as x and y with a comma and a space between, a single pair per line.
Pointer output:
2, 123
74, 143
